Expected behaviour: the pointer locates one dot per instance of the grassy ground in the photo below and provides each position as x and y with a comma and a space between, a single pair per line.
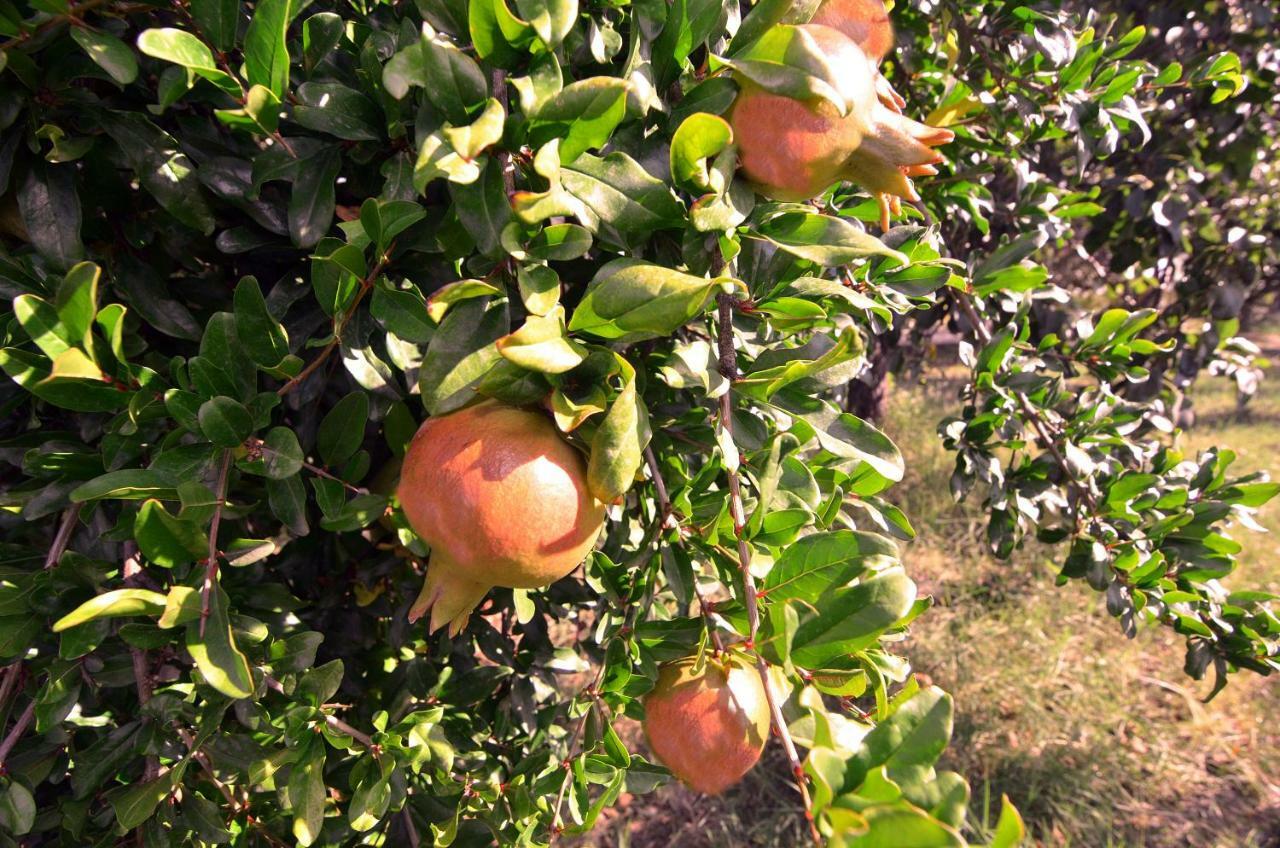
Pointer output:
1099, 740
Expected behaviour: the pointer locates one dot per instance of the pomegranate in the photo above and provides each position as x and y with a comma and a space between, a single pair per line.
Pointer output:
866, 22
795, 149
501, 499
707, 724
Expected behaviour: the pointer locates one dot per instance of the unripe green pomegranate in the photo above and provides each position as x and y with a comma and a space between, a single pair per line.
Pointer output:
707, 724
501, 499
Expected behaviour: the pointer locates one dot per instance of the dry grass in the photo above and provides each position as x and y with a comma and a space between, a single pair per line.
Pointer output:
1099, 740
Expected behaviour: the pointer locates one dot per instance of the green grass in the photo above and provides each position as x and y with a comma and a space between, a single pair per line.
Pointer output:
1099, 740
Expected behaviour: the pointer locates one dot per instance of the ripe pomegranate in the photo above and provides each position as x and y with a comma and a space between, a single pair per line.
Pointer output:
501, 499
794, 150
707, 724
866, 22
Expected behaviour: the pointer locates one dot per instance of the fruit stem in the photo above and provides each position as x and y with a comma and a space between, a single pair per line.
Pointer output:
729, 369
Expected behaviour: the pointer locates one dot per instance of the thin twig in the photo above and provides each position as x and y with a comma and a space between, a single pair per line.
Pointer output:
1033, 415
499, 81
669, 521
211, 565
592, 690
19, 728
729, 369
62, 538
365, 285
73, 13
12, 674
134, 577
410, 831
258, 444
342, 727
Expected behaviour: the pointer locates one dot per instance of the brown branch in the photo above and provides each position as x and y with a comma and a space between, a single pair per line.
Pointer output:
258, 444
342, 727
625, 631
73, 13
365, 285
134, 577
19, 728
729, 369
669, 521
211, 564
1033, 415
499, 82
62, 538
411, 832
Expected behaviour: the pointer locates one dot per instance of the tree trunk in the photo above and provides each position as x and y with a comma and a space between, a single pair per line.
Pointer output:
868, 394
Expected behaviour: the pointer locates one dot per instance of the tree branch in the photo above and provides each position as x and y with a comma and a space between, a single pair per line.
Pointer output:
134, 577
365, 285
62, 538
729, 369
259, 445
669, 521
211, 565
19, 728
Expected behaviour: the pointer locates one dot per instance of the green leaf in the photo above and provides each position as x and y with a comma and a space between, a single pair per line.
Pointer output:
824, 239
898, 827
225, 422
136, 803
617, 449
620, 192
813, 564
282, 455
786, 60
698, 138
39, 320
461, 352
311, 204
915, 735
402, 312
266, 54
552, 20
118, 602
321, 33
342, 112
306, 795
470, 140
77, 301
342, 430
483, 208
542, 345
17, 809
259, 332
1010, 831
167, 540
129, 484
221, 663
219, 20
631, 300
110, 53
583, 115
851, 619
185, 50
451, 79
497, 34
849, 437
539, 288
50, 210
166, 172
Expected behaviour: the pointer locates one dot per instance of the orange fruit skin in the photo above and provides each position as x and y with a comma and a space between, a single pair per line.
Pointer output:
865, 21
501, 499
707, 725
795, 149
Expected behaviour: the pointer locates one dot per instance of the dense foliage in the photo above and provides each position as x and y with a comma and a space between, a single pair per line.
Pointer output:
248, 247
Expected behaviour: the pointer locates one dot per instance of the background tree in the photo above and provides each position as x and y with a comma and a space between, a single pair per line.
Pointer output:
249, 246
